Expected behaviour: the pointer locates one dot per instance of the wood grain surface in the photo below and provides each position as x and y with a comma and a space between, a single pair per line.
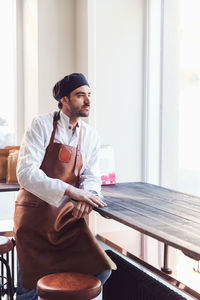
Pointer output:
4, 187
166, 215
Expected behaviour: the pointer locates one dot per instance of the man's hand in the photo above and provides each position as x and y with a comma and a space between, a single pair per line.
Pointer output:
85, 196
81, 209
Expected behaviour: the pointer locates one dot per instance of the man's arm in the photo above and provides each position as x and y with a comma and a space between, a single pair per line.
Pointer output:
34, 180
31, 155
90, 179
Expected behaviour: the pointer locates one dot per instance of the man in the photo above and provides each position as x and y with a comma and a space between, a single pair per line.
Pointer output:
58, 161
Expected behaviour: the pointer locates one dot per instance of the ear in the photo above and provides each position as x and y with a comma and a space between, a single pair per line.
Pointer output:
64, 100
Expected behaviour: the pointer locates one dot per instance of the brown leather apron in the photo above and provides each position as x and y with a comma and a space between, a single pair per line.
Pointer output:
48, 238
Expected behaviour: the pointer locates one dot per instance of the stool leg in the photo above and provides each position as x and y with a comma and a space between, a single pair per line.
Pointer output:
9, 280
2, 274
12, 265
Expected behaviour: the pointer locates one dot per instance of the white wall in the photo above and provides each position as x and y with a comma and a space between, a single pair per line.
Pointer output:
48, 51
119, 82
56, 47
30, 59
81, 36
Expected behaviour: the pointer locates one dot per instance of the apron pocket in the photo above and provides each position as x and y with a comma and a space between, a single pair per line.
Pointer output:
64, 155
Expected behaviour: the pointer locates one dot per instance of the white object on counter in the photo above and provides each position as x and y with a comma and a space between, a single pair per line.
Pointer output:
107, 165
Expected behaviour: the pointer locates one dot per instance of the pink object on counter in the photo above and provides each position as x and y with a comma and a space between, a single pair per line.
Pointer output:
109, 179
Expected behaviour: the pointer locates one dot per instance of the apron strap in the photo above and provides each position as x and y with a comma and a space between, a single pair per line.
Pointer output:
56, 117
78, 154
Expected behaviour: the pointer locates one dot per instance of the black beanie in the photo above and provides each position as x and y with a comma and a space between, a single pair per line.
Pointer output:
69, 83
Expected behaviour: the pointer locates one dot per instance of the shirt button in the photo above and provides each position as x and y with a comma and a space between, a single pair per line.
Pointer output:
70, 127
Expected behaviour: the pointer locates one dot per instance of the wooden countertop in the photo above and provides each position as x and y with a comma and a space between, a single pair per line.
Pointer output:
166, 215
8, 187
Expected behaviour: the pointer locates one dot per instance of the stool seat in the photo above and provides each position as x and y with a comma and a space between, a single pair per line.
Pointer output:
64, 286
5, 245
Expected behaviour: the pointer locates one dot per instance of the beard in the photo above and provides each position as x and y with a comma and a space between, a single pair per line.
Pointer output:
83, 113
79, 112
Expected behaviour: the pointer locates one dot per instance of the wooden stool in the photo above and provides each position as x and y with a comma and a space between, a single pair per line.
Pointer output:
6, 245
72, 286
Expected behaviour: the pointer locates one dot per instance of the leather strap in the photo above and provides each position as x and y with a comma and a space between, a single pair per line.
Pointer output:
56, 117
78, 154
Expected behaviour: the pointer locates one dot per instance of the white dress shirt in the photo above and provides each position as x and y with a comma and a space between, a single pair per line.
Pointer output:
32, 151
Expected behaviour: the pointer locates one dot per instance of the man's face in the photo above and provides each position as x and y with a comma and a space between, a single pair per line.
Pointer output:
78, 104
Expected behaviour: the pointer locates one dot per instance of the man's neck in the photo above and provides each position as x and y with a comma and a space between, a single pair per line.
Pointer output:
72, 120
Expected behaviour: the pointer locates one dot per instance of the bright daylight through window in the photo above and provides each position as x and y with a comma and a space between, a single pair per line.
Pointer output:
7, 73
180, 110
189, 99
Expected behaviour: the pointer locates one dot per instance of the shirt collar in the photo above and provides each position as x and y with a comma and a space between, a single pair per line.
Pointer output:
65, 119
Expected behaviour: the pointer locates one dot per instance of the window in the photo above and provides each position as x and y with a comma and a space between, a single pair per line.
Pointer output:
176, 110
181, 95
8, 117
7, 73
